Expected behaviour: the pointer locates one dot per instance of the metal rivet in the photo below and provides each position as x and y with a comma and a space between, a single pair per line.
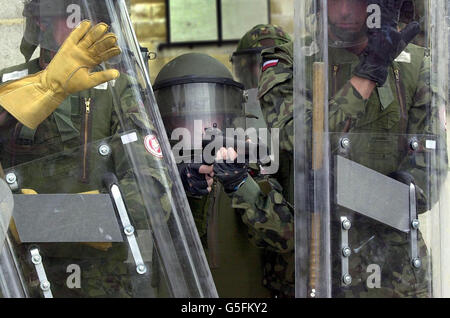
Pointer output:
129, 230
104, 150
245, 96
416, 263
346, 251
141, 269
36, 259
346, 224
345, 143
414, 144
45, 285
347, 279
415, 224
11, 178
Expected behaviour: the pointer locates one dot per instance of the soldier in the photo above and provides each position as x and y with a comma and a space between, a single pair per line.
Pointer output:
377, 86
247, 66
212, 212
66, 142
246, 62
196, 87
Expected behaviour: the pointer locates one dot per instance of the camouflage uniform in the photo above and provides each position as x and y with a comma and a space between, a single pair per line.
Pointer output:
259, 37
62, 156
401, 106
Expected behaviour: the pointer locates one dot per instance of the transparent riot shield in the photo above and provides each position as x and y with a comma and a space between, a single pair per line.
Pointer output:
247, 70
99, 209
370, 165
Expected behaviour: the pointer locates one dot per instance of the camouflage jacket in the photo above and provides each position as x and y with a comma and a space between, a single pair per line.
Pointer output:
400, 108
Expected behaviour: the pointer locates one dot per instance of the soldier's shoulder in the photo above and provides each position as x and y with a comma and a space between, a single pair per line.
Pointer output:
284, 52
18, 71
277, 68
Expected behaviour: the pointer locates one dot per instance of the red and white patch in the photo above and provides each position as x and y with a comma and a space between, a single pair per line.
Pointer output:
151, 144
270, 63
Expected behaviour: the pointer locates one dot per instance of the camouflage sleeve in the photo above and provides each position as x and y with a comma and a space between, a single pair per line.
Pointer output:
427, 118
276, 99
138, 166
269, 216
345, 108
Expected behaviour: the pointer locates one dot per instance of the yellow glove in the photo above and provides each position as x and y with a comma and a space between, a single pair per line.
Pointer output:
33, 98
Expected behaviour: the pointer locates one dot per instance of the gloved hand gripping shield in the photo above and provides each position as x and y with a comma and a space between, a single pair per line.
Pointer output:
99, 207
372, 167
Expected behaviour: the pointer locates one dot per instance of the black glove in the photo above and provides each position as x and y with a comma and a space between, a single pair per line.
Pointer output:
385, 43
406, 178
230, 175
194, 182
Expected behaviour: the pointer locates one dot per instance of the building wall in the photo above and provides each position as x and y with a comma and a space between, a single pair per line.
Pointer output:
11, 30
149, 19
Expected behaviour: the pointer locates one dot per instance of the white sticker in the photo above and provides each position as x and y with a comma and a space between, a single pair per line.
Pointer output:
404, 57
151, 143
430, 144
102, 86
129, 138
14, 75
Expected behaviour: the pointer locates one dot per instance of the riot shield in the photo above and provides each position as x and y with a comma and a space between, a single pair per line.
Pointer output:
370, 165
99, 209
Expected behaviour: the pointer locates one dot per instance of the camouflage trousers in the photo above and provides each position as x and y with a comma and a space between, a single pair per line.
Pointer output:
380, 263
279, 273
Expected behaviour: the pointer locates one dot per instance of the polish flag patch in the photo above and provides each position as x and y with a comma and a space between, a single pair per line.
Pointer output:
269, 64
151, 144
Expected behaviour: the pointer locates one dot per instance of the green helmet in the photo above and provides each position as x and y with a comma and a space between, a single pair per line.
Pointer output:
246, 59
263, 36
197, 87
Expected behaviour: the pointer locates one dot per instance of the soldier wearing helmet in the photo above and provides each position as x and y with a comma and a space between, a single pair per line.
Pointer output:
52, 144
197, 94
377, 85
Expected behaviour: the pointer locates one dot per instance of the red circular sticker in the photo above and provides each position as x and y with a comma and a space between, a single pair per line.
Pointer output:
151, 143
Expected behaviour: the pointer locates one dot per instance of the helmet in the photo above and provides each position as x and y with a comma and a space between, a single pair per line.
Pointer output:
197, 87
246, 59
49, 22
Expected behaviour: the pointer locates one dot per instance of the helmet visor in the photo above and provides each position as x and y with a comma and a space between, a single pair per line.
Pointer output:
247, 67
50, 22
186, 108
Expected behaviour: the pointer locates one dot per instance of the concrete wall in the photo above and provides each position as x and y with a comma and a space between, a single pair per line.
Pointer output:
11, 30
